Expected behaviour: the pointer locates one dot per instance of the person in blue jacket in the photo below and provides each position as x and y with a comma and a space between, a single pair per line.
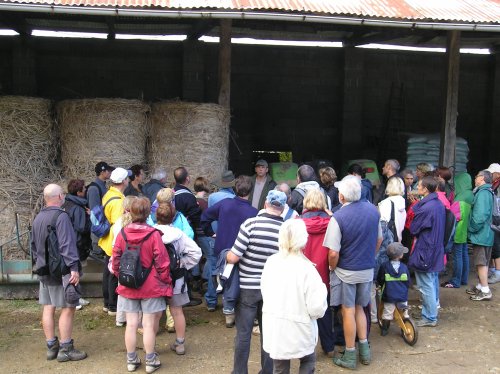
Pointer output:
427, 256
394, 279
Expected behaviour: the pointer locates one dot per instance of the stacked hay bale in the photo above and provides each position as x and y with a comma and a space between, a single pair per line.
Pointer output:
27, 160
191, 135
93, 130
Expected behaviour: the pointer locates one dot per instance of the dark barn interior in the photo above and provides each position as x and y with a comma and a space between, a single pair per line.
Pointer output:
318, 103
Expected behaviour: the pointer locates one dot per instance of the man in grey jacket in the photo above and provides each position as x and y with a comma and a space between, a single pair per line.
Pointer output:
52, 292
95, 191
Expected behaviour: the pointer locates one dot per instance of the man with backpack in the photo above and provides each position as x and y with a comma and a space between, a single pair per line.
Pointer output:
52, 294
112, 205
306, 179
95, 193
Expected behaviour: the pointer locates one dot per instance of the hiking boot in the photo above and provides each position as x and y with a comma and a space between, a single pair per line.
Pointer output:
211, 308
53, 350
133, 365
385, 327
365, 354
426, 323
482, 296
193, 302
178, 348
347, 360
494, 278
153, 364
230, 318
472, 291
67, 352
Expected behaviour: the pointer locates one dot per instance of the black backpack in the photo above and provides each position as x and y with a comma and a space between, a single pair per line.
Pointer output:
450, 225
176, 272
55, 266
391, 225
132, 274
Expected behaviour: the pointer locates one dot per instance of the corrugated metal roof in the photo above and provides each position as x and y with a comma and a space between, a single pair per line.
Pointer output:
476, 11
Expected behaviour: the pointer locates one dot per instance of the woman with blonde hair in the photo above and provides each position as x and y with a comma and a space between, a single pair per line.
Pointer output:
294, 298
316, 218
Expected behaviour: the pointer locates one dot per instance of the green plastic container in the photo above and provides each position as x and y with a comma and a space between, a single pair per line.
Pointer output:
284, 172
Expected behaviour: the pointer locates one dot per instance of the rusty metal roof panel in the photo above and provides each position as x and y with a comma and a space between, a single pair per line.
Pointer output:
483, 11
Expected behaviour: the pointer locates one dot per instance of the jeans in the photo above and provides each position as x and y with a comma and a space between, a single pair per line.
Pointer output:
206, 244
248, 308
307, 365
109, 284
460, 264
325, 330
427, 284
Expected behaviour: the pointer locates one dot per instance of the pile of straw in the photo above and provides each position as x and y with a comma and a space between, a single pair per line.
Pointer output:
191, 135
93, 130
27, 159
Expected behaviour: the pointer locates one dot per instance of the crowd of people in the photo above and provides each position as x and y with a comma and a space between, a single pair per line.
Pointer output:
292, 266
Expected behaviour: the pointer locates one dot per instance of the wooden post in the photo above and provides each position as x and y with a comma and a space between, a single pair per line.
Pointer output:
449, 128
225, 63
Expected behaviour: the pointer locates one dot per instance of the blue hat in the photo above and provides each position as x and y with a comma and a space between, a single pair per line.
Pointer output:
276, 198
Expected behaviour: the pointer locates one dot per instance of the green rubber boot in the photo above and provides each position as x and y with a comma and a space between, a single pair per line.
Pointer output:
365, 355
347, 360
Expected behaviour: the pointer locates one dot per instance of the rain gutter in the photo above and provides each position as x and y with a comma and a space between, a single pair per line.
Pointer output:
262, 16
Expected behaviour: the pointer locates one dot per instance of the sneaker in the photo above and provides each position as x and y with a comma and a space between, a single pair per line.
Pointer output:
111, 313
495, 278
133, 365
230, 318
153, 364
426, 323
83, 302
79, 307
178, 348
472, 291
120, 324
482, 296
193, 302
53, 350
67, 352
105, 309
211, 308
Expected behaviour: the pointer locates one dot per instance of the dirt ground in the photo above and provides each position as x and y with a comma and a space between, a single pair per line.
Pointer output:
467, 340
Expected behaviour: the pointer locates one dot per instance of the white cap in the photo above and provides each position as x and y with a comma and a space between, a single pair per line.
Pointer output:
494, 168
119, 175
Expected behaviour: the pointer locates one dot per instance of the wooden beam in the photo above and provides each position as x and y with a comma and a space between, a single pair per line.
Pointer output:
225, 63
449, 127
16, 23
199, 29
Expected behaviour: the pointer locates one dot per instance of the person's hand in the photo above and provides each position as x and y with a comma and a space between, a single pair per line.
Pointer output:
87, 210
412, 198
75, 278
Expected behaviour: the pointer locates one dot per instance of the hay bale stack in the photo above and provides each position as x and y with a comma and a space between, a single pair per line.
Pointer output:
27, 159
191, 135
93, 130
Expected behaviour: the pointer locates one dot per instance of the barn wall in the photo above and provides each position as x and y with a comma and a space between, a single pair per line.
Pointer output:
319, 103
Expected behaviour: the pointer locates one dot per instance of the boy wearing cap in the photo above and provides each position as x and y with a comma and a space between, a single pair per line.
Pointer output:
113, 209
394, 279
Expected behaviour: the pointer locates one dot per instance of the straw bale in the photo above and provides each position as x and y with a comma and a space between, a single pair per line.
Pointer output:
192, 135
27, 159
93, 130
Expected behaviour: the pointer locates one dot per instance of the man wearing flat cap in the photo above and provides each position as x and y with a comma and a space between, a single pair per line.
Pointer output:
262, 184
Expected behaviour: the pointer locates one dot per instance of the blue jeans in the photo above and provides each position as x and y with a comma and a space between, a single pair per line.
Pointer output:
248, 308
428, 283
206, 244
460, 265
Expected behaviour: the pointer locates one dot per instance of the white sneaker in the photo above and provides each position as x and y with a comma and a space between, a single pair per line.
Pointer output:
79, 307
83, 302
495, 278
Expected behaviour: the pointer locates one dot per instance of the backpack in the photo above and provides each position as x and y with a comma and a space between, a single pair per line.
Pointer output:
391, 225
99, 224
55, 266
449, 230
131, 272
101, 193
176, 271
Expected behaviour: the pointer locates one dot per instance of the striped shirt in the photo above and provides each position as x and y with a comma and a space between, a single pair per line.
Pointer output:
256, 241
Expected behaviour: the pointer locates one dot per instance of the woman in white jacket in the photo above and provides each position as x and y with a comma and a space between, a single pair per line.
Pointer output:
189, 255
294, 298
395, 191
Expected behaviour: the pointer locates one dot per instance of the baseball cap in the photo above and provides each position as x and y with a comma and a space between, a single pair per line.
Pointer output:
119, 175
101, 166
494, 168
261, 163
227, 179
395, 250
276, 198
